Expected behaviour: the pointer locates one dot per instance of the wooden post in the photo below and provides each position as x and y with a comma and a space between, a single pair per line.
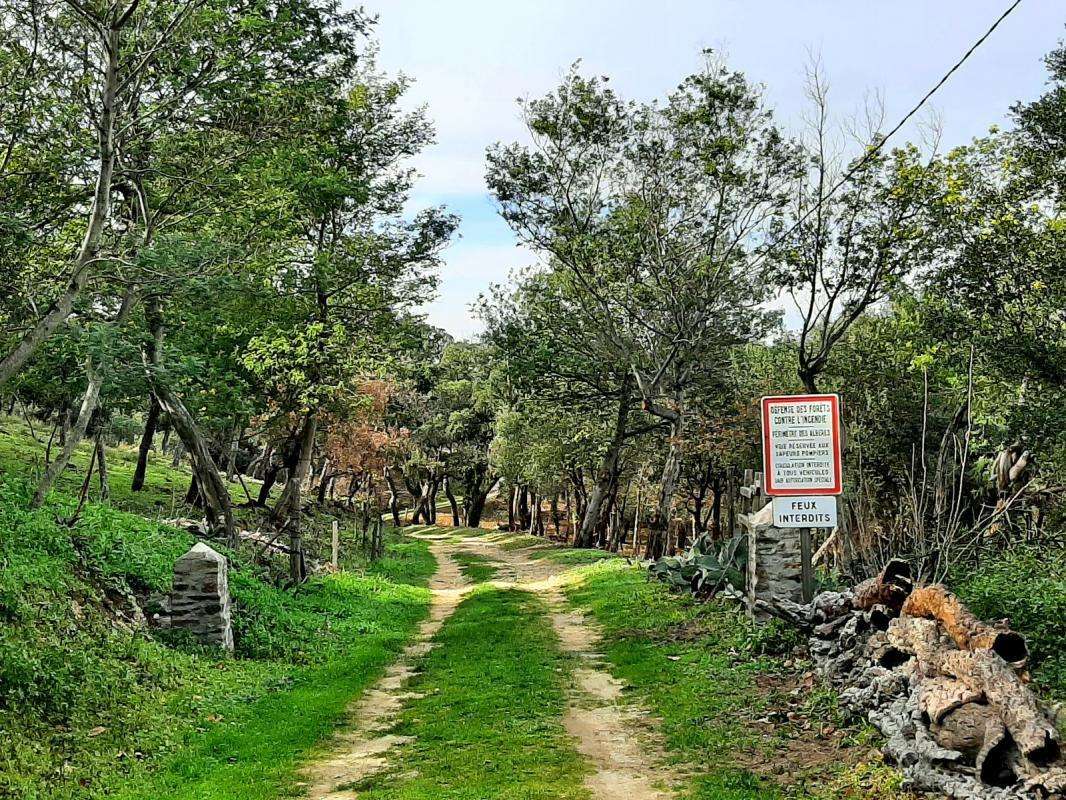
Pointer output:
806, 565
336, 545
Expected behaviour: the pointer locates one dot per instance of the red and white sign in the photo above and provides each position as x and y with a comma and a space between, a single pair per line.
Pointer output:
801, 445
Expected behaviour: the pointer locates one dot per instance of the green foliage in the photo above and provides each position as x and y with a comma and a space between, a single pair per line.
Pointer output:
706, 567
1027, 586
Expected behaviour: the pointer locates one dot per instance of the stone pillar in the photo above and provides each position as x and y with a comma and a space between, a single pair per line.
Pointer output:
199, 599
775, 563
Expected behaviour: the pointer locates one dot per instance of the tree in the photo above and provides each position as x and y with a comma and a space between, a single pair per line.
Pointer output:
651, 212
845, 244
541, 337
353, 262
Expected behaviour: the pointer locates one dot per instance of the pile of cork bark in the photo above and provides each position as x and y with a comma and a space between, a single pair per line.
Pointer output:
949, 692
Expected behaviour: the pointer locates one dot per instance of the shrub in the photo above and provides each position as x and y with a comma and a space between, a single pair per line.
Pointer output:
1026, 585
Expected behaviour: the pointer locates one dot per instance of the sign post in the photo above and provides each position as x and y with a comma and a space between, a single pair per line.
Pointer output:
802, 464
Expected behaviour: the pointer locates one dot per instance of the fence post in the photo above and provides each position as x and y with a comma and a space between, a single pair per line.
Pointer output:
806, 566
336, 545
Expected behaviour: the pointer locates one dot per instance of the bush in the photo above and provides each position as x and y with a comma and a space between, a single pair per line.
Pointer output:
1026, 585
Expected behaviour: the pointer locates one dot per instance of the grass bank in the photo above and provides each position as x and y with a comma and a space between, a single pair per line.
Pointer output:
93, 704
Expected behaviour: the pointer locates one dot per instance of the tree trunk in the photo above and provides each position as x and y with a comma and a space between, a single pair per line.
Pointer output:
98, 214
808, 376
212, 487
64, 428
270, 477
523, 508
150, 423
715, 514
671, 469
324, 482
290, 505
153, 315
234, 449
101, 464
193, 495
474, 503
77, 432
431, 501
456, 520
511, 508
394, 497
608, 467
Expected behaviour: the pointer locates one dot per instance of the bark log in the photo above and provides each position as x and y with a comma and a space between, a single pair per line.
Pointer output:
916, 637
969, 633
889, 588
939, 696
987, 672
966, 728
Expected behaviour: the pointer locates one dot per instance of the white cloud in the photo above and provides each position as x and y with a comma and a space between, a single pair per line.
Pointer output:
468, 271
471, 59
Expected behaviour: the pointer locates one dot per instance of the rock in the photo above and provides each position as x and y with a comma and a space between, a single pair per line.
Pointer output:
199, 599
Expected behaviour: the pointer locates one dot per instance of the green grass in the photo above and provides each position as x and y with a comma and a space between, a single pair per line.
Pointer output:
91, 705
477, 568
571, 556
255, 750
164, 488
690, 662
488, 724
521, 541
697, 666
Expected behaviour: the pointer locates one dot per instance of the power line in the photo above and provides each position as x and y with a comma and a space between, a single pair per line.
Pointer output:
871, 152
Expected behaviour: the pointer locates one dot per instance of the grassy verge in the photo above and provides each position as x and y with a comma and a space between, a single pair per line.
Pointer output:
255, 748
92, 705
570, 556
476, 567
696, 665
488, 724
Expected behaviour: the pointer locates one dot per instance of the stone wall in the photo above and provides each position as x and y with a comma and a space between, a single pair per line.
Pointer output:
199, 599
775, 563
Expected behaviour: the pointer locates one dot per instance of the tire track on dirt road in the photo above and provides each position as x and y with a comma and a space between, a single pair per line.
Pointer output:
619, 739
362, 750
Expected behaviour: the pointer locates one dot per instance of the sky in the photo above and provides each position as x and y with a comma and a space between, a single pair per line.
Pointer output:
471, 61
